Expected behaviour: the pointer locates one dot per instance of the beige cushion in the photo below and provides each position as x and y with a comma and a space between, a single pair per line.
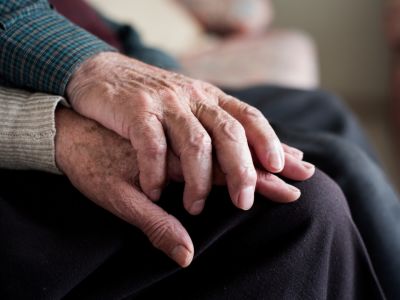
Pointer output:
162, 23
231, 16
280, 57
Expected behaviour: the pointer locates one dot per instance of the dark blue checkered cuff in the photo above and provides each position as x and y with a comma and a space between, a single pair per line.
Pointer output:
40, 50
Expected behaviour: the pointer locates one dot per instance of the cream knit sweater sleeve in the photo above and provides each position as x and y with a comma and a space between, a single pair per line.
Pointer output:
27, 130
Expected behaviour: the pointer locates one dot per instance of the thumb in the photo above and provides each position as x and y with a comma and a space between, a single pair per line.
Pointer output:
164, 231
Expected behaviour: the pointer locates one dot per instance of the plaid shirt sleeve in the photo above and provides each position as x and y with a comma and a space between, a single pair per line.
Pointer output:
39, 48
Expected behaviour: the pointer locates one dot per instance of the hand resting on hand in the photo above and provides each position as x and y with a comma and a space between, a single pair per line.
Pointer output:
104, 167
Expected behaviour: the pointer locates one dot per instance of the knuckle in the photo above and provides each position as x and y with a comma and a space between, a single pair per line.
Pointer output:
199, 143
132, 128
142, 99
142, 96
123, 204
150, 181
207, 108
201, 109
265, 176
232, 129
209, 88
178, 77
155, 149
192, 88
246, 175
142, 124
166, 93
158, 231
248, 111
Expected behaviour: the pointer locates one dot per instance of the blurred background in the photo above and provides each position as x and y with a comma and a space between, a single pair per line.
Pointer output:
354, 61
339, 45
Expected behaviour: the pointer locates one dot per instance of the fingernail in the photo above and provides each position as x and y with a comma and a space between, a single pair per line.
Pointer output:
296, 191
197, 207
246, 198
308, 166
275, 160
181, 256
155, 194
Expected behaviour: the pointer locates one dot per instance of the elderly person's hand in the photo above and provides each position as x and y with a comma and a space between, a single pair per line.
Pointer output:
104, 167
157, 110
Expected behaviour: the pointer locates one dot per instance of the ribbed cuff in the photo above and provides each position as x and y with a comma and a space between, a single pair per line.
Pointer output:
40, 49
27, 130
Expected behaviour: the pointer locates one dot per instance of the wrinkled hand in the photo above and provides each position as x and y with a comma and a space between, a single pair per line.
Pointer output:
154, 108
104, 167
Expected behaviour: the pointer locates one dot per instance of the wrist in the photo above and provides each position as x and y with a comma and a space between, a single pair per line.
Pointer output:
64, 121
88, 75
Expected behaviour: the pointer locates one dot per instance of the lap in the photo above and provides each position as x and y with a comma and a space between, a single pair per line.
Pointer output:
57, 243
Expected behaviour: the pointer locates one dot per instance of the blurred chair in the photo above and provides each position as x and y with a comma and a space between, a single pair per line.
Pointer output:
245, 50
277, 57
227, 42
